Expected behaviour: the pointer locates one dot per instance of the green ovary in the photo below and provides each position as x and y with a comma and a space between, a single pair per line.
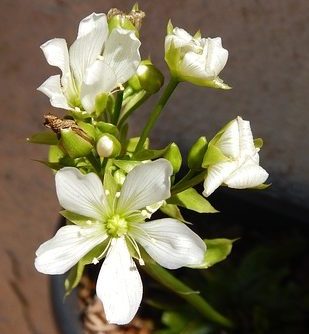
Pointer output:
116, 226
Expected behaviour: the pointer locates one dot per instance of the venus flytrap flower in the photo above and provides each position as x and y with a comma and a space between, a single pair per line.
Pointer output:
195, 59
237, 164
118, 219
97, 62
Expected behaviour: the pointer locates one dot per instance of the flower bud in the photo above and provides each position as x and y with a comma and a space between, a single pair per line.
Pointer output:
196, 153
173, 155
108, 146
75, 142
147, 77
195, 59
131, 21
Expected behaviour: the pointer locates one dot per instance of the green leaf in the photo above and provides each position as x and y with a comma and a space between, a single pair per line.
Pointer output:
217, 251
150, 154
173, 211
192, 200
45, 138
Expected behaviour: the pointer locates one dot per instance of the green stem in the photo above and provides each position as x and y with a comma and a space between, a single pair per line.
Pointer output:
156, 112
192, 297
95, 163
131, 110
186, 183
118, 105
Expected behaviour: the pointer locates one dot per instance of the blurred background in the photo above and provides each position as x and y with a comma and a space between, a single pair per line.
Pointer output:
268, 69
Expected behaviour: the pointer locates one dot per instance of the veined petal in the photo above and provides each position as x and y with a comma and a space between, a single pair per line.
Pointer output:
229, 141
81, 194
249, 175
121, 53
119, 285
193, 67
56, 54
245, 137
99, 78
93, 22
52, 88
216, 55
170, 243
145, 185
216, 175
67, 247
88, 46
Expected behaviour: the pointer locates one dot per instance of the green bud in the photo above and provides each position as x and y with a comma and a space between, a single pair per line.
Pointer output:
103, 127
108, 146
75, 142
173, 155
150, 78
87, 128
196, 153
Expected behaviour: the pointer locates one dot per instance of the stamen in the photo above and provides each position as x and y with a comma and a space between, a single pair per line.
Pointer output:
136, 248
95, 260
117, 195
105, 250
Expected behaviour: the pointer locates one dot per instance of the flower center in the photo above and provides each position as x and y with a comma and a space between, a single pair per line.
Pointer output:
116, 226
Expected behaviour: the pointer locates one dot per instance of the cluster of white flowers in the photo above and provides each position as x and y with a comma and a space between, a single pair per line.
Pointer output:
115, 219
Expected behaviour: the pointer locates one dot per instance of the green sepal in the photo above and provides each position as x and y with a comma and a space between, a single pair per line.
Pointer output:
76, 218
213, 156
169, 28
262, 186
126, 165
172, 211
192, 200
101, 103
45, 138
120, 21
148, 154
103, 127
217, 251
173, 155
55, 154
258, 142
74, 145
197, 153
110, 183
76, 272
88, 128
132, 143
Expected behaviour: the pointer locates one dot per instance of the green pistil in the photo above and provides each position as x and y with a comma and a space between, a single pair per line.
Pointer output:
116, 226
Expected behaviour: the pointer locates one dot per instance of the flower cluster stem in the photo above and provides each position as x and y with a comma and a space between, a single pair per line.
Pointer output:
117, 108
182, 290
156, 112
188, 182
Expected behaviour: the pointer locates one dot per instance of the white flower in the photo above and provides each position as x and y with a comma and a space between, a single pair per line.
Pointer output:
96, 62
195, 59
119, 221
241, 169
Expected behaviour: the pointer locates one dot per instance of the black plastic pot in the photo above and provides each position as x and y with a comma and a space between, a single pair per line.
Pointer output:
252, 216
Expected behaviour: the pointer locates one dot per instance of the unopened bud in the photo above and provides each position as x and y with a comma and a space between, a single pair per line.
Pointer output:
173, 155
149, 77
75, 142
108, 146
196, 153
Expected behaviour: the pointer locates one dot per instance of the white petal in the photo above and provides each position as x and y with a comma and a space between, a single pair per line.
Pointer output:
56, 54
216, 175
52, 88
87, 47
121, 53
247, 176
216, 55
170, 243
99, 78
81, 194
246, 139
229, 141
92, 22
193, 67
119, 285
145, 185
67, 247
